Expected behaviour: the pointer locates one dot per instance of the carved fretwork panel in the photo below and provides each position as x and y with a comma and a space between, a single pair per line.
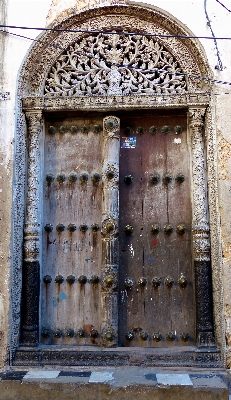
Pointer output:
117, 64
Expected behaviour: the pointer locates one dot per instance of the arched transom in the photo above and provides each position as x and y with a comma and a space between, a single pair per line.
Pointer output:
115, 64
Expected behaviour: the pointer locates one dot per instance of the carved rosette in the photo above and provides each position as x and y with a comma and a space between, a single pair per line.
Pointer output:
110, 228
30, 293
201, 231
110, 247
110, 176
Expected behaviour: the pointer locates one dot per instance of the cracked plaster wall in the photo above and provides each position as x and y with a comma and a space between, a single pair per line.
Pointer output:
13, 50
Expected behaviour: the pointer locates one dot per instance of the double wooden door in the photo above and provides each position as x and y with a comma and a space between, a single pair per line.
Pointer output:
155, 285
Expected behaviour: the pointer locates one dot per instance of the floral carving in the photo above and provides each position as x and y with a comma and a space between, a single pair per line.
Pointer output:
115, 65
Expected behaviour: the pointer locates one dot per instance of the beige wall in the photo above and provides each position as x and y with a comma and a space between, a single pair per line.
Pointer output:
6, 149
13, 50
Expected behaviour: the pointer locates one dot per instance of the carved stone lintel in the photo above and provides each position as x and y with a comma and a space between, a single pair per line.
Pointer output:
30, 304
173, 100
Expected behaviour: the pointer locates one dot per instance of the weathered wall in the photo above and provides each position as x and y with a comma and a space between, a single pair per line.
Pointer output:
13, 50
5, 189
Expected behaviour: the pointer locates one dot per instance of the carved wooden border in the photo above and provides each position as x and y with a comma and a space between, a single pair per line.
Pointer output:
31, 87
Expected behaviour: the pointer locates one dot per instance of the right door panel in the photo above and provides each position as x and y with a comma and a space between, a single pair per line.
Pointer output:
156, 290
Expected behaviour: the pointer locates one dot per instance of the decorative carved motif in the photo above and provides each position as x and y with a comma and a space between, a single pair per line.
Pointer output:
109, 230
30, 294
111, 357
203, 296
201, 231
200, 225
110, 227
109, 336
31, 242
201, 241
33, 170
115, 64
121, 102
196, 125
109, 280
30, 303
31, 231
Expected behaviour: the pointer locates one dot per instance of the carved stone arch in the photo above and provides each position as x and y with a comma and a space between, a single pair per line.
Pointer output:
33, 102
119, 18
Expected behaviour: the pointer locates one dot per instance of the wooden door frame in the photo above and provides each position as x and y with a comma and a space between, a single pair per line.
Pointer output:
32, 106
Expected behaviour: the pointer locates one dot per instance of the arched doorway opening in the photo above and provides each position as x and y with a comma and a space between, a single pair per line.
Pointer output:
116, 230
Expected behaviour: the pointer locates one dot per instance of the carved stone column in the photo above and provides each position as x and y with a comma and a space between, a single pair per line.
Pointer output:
201, 232
31, 274
110, 245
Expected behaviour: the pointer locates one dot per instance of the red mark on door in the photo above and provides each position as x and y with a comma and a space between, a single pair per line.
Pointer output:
154, 243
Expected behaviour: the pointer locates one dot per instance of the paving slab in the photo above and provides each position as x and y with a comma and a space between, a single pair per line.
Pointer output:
118, 383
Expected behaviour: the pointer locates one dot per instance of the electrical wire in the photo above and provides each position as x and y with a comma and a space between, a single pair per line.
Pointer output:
220, 66
223, 6
210, 80
115, 32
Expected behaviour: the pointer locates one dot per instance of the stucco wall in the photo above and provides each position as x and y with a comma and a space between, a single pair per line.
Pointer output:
5, 189
13, 50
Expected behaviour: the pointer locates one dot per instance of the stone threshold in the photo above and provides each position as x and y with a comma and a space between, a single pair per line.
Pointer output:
187, 356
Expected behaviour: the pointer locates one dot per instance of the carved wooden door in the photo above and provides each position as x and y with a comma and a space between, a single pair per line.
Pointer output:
71, 312
92, 293
156, 306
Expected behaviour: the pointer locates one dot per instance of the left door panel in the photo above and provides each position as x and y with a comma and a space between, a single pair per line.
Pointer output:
70, 301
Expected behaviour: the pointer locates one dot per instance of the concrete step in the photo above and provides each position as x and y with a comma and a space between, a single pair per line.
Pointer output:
119, 383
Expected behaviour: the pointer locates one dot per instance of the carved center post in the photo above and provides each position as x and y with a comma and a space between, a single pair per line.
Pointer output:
31, 273
201, 232
110, 241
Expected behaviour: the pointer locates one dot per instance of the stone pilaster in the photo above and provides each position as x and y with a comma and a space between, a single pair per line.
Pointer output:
31, 274
201, 232
110, 241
